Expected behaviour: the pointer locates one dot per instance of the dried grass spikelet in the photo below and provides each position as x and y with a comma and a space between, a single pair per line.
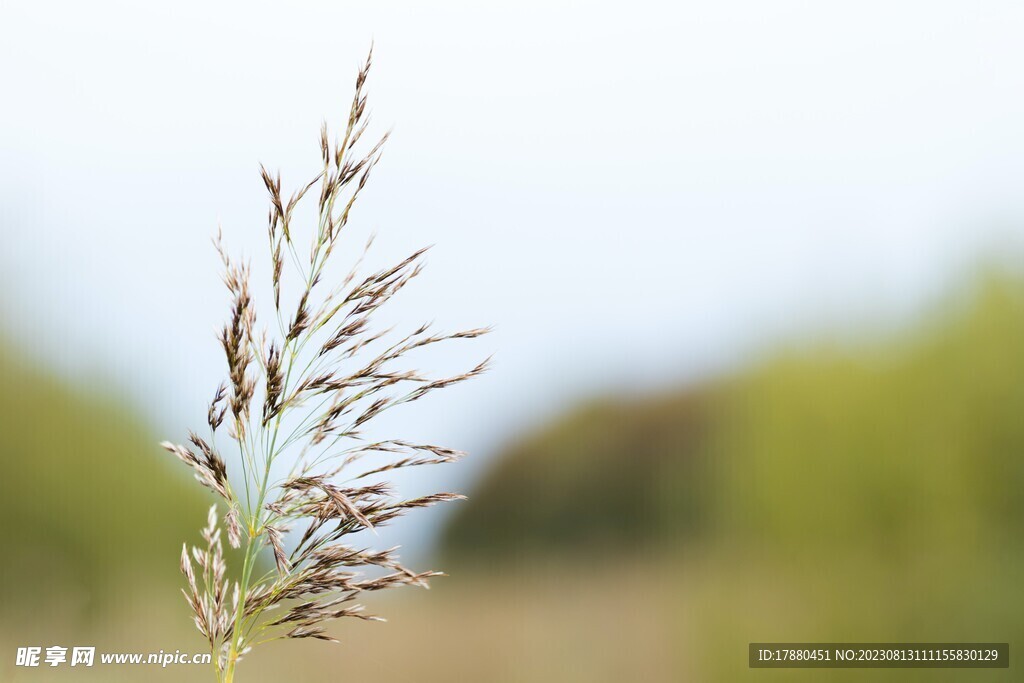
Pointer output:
331, 372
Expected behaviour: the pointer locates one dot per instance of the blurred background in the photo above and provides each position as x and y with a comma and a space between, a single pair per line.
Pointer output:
754, 269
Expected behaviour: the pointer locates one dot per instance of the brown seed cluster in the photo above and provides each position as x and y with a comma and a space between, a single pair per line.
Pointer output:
323, 376
208, 467
210, 607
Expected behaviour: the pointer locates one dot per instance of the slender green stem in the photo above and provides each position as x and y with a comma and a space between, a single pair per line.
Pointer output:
250, 554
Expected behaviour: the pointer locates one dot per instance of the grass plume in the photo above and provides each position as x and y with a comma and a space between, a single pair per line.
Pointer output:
300, 398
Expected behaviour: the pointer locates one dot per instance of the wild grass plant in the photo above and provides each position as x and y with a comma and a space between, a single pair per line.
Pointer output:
294, 408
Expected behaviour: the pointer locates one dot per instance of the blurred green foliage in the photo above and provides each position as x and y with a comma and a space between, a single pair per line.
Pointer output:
914, 441
88, 498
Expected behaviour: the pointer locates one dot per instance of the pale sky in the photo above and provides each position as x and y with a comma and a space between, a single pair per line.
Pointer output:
632, 193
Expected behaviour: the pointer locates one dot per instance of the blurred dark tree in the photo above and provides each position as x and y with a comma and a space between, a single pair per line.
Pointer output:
612, 472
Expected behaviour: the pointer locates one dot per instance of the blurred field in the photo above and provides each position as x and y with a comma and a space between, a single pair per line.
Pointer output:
651, 619
839, 491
